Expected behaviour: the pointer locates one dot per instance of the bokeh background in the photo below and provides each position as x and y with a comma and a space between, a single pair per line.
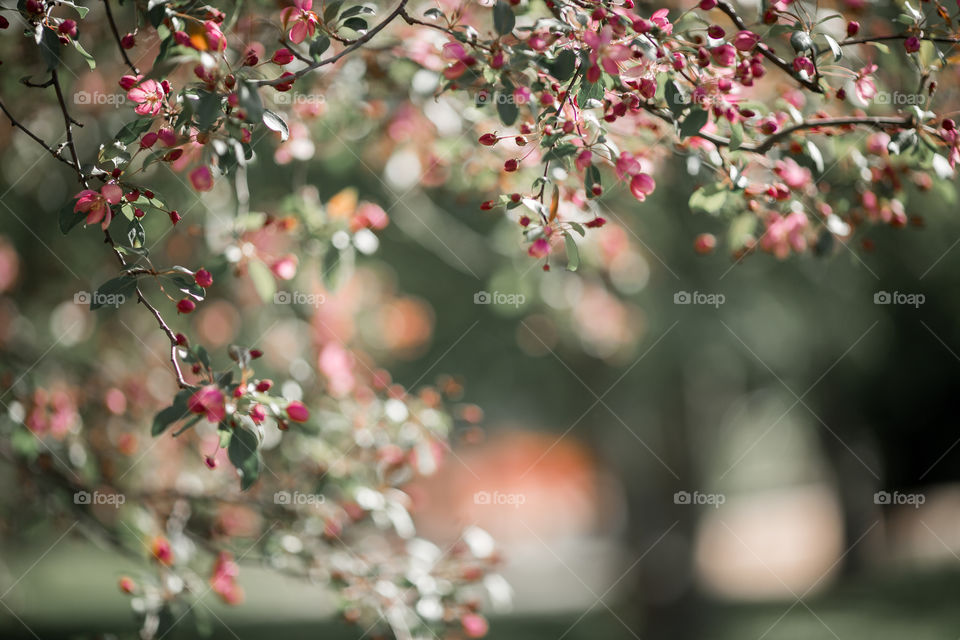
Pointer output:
780, 464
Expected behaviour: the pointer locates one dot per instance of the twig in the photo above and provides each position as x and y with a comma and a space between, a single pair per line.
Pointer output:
54, 152
116, 36
359, 42
765, 50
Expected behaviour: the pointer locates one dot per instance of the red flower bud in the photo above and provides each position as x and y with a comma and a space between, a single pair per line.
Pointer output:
488, 139
297, 411
282, 57
186, 305
128, 41
182, 340
128, 82
175, 217
487, 205
511, 165
203, 278
210, 462
264, 385
256, 353
852, 28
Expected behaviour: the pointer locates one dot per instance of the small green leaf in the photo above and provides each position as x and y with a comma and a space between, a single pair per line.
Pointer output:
563, 66
709, 199
736, 136
318, 46
69, 218
243, 454
113, 292
263, 280
275, 123
573, 254
174, 413
506, 109
691, 125
503, 18
91, 62
356, 23
50, 48
133, 130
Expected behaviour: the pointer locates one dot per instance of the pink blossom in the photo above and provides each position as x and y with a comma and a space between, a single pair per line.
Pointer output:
724, 55
865, 87
540, 248
304, 21
602, 49
746, 40
223, 582
584, 160
659, 18
285, 268
97, 205
215, 38
627, 165
803, 64
297, 411
793, 174
148, 96
201, 178
208, 401
642, 185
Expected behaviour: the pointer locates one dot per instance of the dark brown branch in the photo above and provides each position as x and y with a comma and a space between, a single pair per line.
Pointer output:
356, 45
54, 152
766, 51
877, 122
116, 36
901, 36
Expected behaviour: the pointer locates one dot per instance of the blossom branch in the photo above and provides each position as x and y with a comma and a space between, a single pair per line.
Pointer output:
359, 42
116, 36
766, 51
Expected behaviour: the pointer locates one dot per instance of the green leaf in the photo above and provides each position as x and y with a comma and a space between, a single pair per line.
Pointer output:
331, 10
208, 109
675, 99
174, 413
263, 280
576, 226
736, 136
91, 62
503, 18
834, 47
709, 199
133, 130
573, 254
563, 66
506, 109
589, 91
357, 10
275, 123
591, 178
356, 23
187, 284
691, 125
560, 151
135, 234
250, 101
69, 218
243, 454
318, 46
50, 48
113, 292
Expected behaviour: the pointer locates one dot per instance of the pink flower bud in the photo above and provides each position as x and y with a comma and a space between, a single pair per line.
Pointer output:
297, 411
203, 278
282, 57
186, 305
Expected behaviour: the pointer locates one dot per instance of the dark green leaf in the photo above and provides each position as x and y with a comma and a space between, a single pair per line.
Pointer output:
133, 130
50, 48
318, 46
113, 292
242, 452
69, 218
503, 18
174, 413
563, 66
356, 23
506, 108
691, 125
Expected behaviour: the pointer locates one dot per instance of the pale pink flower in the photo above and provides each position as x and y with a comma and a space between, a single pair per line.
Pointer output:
149, 97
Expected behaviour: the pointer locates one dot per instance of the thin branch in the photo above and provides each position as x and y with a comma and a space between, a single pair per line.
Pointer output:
116, 36
54, 152
68, 123
359, 42
766, 51
901, 36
